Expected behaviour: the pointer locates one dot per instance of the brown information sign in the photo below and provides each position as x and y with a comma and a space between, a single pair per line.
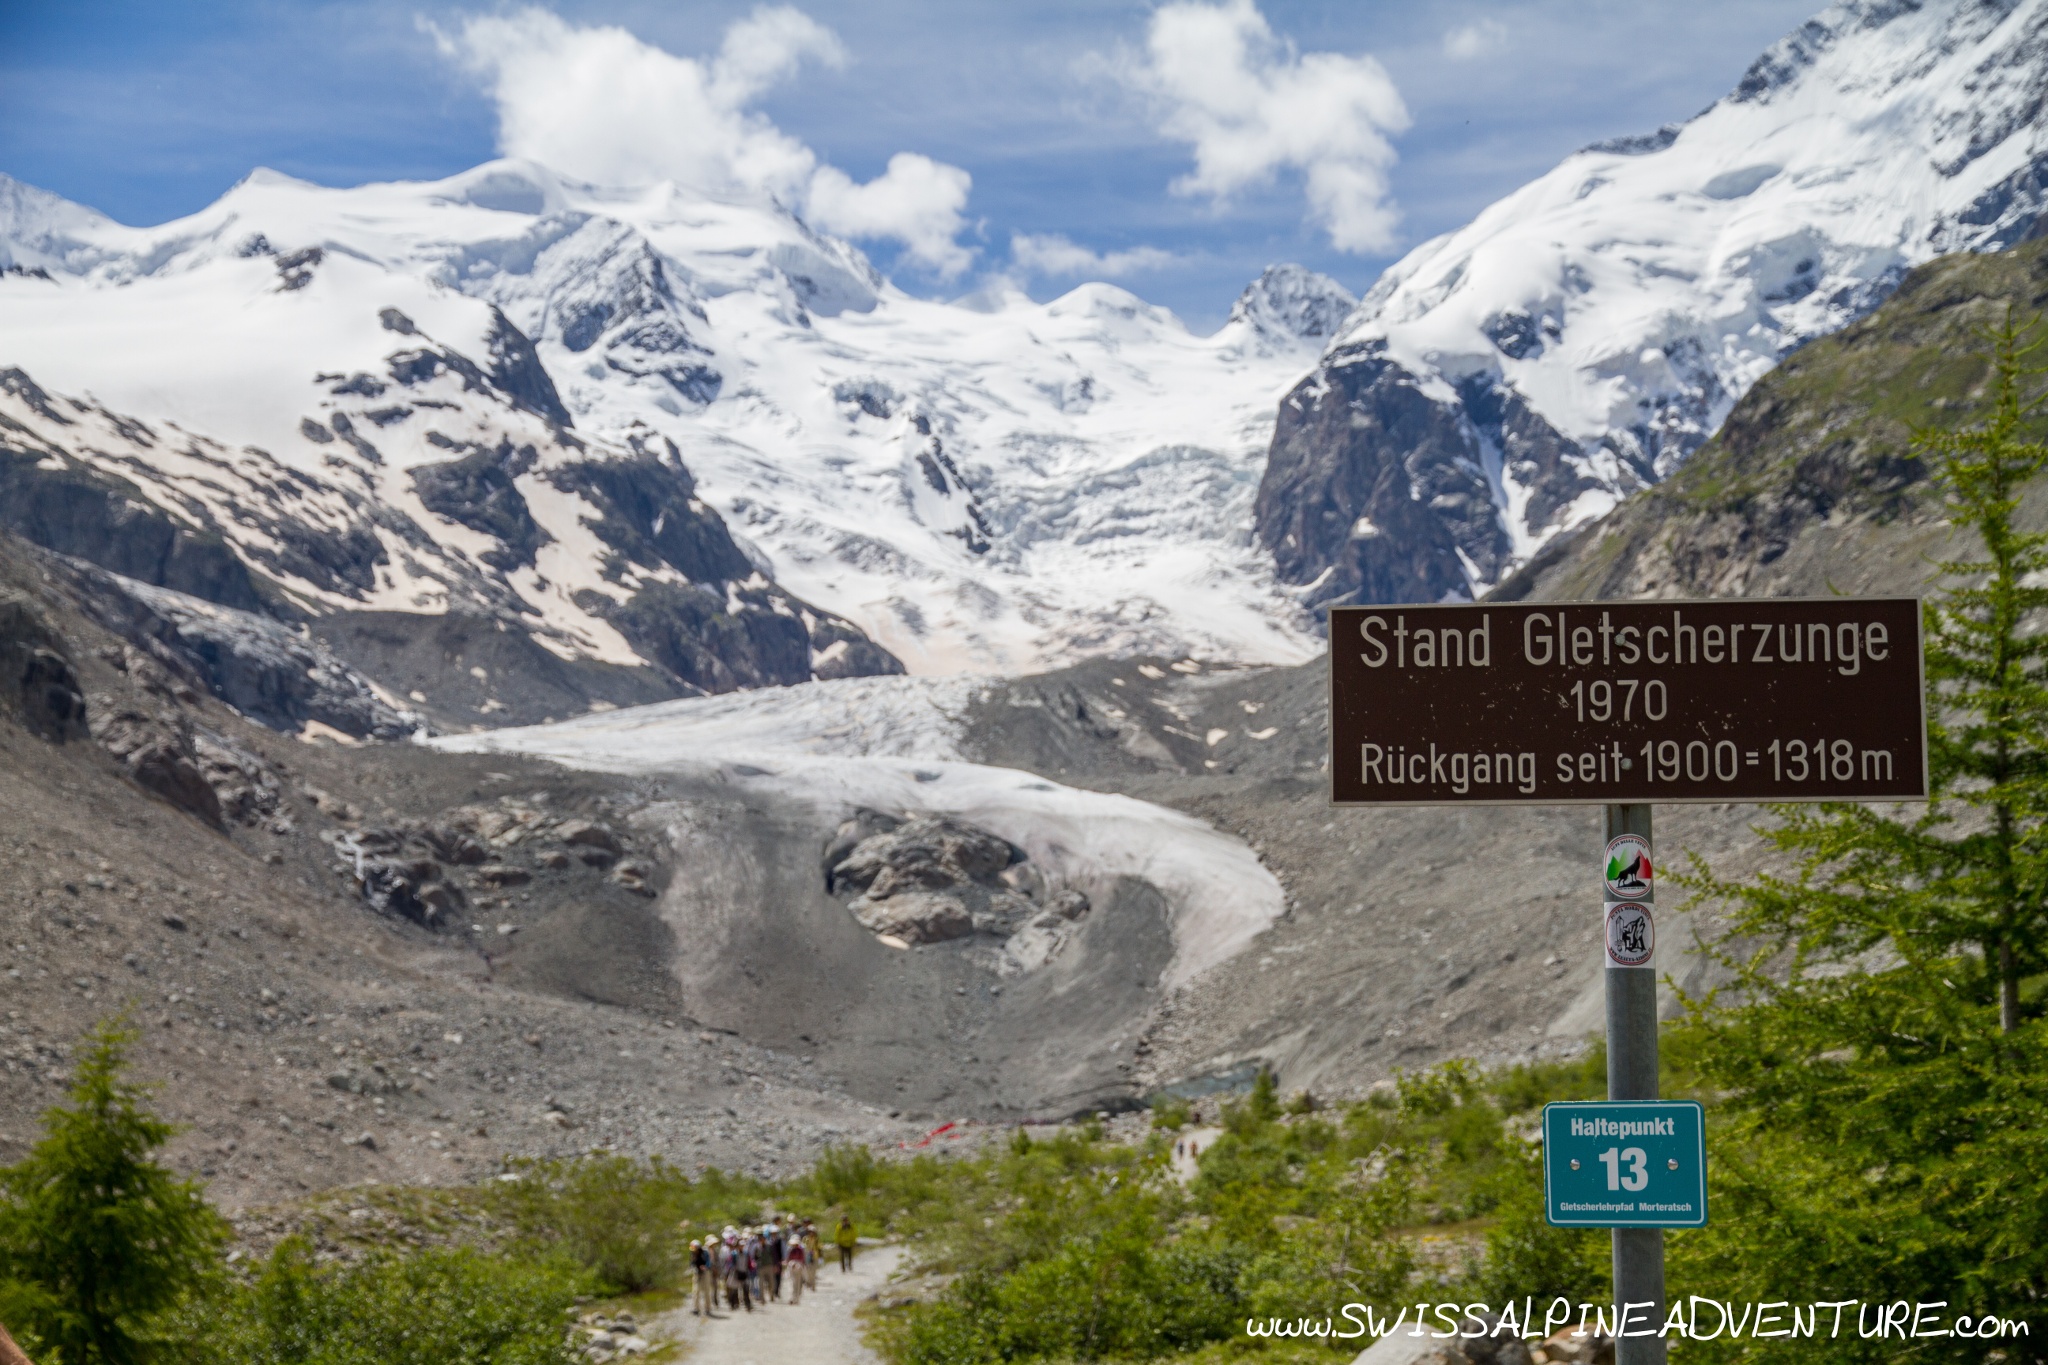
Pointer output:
1776, 699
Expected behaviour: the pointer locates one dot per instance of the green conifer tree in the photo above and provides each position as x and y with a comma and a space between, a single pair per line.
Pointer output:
1964, 882
1882, 1126
1988, 662
1264, 1102
96, 1239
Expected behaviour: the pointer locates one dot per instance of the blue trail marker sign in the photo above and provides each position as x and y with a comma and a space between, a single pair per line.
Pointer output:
1639, 1164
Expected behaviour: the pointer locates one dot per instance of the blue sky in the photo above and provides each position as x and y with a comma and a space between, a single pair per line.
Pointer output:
149, 111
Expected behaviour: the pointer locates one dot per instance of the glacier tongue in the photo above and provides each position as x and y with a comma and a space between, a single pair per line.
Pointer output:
996, 487
895, 744
1586, 333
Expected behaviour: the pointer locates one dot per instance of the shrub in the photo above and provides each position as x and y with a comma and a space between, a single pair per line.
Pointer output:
1525, 1255
843, 1174
1263, 1104
433, 1307
1170, 1113
619, 1217
1115, 1293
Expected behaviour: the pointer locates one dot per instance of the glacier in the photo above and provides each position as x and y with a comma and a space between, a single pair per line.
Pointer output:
894, 744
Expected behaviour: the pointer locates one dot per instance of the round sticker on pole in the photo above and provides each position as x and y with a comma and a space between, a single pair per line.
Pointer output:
1631, 934
1629, 874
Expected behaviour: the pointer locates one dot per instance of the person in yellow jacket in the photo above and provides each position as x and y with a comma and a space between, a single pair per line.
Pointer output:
846, 1239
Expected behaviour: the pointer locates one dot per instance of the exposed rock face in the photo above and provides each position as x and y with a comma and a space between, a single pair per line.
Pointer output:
158, 754
1046, 932
427, 870
840, 650
915, 917
246, 789
188, 765
516, 370
73, 509
263, 668
1293, 301
650, 514
165, 508
38, 683
617, 303
477, 491
589, 834
1373, 487
930, 852
1379, 488
411, 888
1583, 374
687, 629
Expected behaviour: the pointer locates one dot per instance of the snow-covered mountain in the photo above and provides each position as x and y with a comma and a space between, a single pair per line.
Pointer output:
1517, 377
575, 406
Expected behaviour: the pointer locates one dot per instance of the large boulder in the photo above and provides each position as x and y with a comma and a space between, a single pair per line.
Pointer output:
930, 852
926, 879
918, 917
157, 752
412, 888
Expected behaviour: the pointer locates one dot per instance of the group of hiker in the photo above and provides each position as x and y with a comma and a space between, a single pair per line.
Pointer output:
753, 1265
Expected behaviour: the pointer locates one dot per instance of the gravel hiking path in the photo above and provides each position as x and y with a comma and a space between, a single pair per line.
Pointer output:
1185, 1167
819, 1331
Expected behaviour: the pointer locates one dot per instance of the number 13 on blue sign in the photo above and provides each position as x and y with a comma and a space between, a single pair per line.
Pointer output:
1625, 1164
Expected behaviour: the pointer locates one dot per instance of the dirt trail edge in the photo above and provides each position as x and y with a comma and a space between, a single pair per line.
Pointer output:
821, 1329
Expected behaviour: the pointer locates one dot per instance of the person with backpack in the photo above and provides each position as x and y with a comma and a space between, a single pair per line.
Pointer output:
750, 1248
846, 1239
794, 1260
811, 1251
732, 1261
703, 1296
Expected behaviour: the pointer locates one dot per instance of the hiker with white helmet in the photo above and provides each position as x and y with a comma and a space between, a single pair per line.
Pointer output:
703, 1296
794, 1260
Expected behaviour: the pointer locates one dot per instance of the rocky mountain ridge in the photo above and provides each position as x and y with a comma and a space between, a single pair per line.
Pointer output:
1812, 484
622, 584
508, 391
1514, 380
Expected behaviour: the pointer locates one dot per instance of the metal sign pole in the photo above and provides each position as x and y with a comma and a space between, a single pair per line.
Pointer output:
1632, 1075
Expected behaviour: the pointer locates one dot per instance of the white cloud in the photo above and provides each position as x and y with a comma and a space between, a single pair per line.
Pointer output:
1053, 254
1475, 39
1251, 106
917, 201
766, 48
601, 105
